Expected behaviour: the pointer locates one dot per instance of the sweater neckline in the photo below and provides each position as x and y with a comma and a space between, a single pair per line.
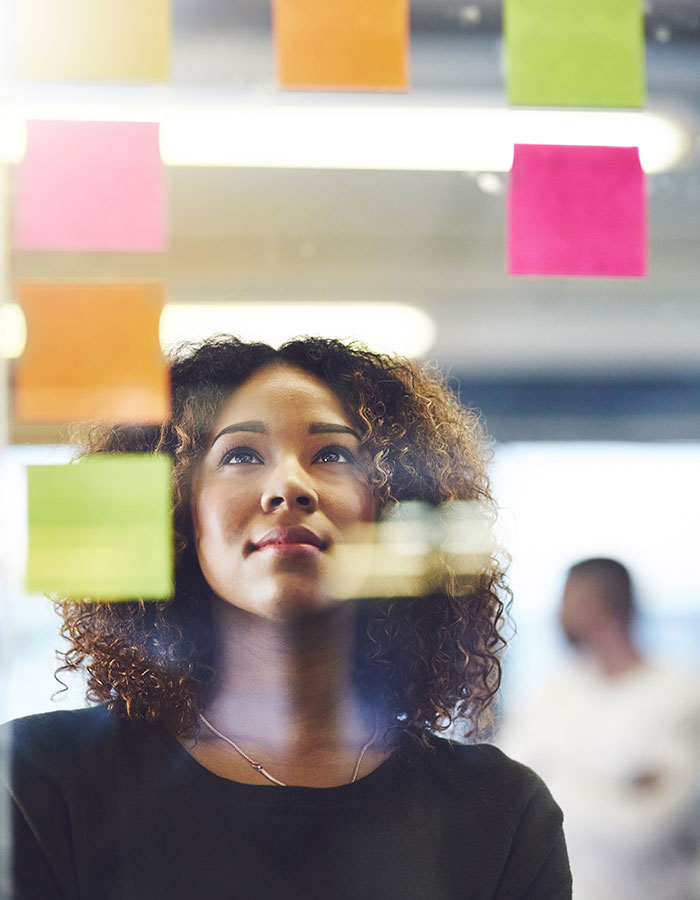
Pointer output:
386, 773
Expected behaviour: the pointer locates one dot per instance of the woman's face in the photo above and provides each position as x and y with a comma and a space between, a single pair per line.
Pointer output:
283, 481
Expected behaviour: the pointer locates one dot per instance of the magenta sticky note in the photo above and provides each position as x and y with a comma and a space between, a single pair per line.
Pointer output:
91, 186
577, 211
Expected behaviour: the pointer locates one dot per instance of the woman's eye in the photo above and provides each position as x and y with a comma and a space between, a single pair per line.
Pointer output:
334, 455
241, 456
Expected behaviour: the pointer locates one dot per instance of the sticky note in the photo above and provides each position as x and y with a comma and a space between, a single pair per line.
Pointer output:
94, 40
92, 353
90, 186
577, 211
101, 528
344, 45
574, 52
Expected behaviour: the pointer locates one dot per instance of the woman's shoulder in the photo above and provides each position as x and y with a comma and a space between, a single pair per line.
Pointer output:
482, 761
53, 740
67, 723
482, 773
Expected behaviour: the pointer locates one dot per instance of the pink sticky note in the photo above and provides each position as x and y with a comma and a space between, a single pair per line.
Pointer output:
577, 211
91, 186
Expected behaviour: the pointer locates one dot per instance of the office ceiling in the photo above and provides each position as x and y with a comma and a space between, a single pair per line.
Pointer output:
433, 239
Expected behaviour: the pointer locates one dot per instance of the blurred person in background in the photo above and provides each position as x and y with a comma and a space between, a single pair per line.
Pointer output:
260, 734
617, 738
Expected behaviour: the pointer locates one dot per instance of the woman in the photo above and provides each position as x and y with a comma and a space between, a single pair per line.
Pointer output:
258, 736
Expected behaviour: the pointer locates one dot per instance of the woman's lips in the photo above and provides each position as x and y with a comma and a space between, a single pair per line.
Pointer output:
295, 541
291, 549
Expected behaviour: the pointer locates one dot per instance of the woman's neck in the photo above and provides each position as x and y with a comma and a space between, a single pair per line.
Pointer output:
287, 686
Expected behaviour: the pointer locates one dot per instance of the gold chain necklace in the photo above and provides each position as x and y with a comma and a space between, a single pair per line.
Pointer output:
263, 771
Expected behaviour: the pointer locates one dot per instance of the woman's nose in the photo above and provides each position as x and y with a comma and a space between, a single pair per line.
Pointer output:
289, 487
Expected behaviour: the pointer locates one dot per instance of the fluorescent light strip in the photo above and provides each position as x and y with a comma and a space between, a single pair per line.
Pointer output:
408, 138
384, 327
13, 331
342, 136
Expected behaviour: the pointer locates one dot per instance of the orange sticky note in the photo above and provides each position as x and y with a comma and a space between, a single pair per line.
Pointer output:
92, 353
342, 45
95, 40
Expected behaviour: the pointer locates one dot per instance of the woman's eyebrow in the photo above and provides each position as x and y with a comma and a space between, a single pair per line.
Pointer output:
261, 428
257, 427
331, 428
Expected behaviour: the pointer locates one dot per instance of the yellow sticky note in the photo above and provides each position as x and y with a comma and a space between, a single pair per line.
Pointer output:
92, 353
101, 528
95, 40
342, 45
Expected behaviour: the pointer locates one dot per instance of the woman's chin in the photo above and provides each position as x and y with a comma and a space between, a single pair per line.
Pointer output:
288, 605
297, 607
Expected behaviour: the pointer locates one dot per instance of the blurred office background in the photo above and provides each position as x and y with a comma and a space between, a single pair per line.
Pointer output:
589, 386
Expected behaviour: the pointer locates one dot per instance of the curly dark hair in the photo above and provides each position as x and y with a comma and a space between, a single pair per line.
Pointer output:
429, 661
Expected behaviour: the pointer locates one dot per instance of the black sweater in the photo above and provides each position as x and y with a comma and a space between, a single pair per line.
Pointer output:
105, 811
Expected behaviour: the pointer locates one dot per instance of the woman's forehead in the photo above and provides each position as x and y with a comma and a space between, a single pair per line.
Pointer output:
282, 391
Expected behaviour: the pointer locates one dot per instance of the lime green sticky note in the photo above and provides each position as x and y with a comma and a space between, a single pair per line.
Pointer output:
101, 528
575, 52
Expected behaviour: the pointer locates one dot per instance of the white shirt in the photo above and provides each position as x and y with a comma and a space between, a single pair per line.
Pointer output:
622, 758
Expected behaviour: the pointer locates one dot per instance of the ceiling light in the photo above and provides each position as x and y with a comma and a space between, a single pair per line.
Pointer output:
311, 133
13, 331
384, 327
407, 137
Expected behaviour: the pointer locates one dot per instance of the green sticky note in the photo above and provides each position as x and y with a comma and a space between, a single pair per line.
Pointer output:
101, 528
575, 52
